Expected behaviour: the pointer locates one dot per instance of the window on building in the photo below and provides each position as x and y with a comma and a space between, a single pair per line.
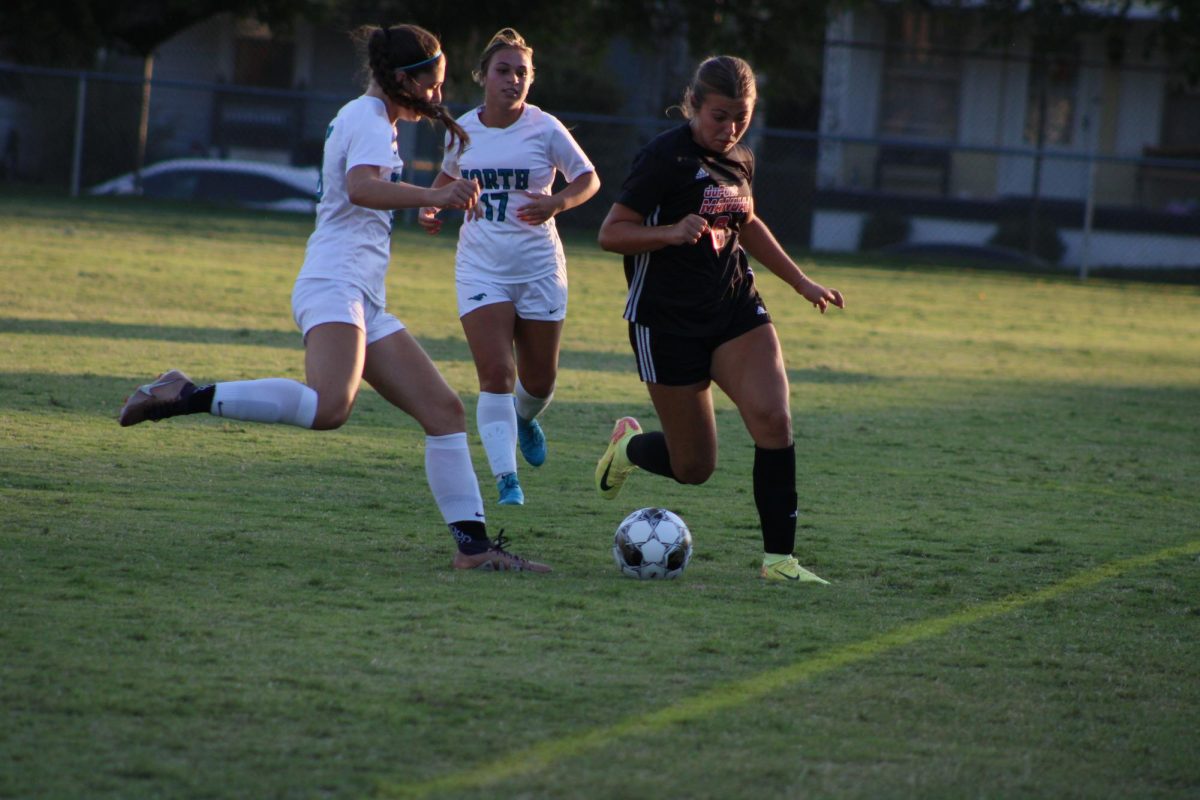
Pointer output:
1058, 79
921, 76
1162, 184
1181, 118
261, 59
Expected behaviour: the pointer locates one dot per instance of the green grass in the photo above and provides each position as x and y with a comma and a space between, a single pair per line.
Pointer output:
997, 473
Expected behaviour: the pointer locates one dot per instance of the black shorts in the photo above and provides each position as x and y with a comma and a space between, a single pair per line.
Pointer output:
673, 360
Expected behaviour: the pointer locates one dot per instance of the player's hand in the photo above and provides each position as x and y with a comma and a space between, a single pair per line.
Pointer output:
539, 209
818, 295
688, 230
427, 218
461, 194
474, 212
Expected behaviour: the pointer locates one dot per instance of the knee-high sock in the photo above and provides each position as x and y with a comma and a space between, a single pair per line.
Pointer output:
497, 423
775, 496
528, 406
266, 400
452, 479
649, 451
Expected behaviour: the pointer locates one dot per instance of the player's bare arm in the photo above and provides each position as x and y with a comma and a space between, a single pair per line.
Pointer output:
427, 216
365, 188
623, 232
762, 245
542, 207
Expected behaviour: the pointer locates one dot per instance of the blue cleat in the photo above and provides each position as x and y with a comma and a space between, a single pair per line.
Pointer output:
532, 441
510, 490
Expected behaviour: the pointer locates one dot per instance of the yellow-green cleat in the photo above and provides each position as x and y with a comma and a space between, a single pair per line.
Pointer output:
788, 568
614, 466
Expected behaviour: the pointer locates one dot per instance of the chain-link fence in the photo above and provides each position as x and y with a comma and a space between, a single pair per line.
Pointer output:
1079, 207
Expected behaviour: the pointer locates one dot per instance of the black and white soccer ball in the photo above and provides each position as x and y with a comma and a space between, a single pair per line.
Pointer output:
652, 543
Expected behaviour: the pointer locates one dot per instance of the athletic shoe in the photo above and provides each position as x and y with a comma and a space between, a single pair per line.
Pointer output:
614, 466
144, 403
497, 559
532, 441
789, 569
510, 490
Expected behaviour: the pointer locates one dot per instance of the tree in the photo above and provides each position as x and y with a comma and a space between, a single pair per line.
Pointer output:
70, 32
563, 35
1179, 34
782, 39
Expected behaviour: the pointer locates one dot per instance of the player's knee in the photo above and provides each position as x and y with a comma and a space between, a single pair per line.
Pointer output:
539, 387
694, 473
333, 409
497, 378
445, 416
330, 418
772, 427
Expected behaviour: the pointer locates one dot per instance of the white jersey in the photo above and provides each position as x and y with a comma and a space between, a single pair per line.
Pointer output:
352, 243
506, 162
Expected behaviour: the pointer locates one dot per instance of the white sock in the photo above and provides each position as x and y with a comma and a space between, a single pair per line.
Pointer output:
497, 423
266, 400
451, 478
528, 406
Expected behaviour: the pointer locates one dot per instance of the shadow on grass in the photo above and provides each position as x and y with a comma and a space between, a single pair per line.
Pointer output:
442, 349
158, 333
446, 348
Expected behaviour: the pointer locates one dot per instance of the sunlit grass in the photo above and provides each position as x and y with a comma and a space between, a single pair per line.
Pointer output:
217, 609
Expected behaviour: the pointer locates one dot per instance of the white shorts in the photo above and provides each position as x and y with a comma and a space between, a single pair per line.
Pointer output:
316, 301
544, 299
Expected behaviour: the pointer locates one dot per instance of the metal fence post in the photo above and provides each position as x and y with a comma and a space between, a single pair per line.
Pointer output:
1089, 205
77, 146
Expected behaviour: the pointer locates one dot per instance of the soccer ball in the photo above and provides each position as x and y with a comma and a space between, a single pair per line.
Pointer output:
652, 543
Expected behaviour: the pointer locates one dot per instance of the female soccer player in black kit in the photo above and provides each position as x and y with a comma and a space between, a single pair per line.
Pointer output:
685, 220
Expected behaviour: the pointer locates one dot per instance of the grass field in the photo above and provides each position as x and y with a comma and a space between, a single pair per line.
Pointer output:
998, 473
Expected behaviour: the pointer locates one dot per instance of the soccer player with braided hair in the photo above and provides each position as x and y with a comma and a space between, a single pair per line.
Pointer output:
339, 301
685, 221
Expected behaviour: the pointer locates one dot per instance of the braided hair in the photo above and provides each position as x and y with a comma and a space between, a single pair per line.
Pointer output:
414, 50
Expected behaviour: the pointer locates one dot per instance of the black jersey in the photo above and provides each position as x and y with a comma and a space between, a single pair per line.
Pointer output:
688, 290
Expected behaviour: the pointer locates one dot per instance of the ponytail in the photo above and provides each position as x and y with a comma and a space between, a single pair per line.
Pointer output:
411, 50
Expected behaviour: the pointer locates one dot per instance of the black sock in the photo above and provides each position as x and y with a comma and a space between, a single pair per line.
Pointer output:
197, 401
649, 451
471, 536
191, 400
775, 497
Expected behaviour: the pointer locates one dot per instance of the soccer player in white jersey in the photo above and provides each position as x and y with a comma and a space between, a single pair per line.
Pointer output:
339, 300
511, 275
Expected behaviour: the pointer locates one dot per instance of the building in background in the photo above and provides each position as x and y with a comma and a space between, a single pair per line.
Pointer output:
275, 92
928, 132
927, 136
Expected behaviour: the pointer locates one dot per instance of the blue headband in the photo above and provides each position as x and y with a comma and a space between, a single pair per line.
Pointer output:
429, 60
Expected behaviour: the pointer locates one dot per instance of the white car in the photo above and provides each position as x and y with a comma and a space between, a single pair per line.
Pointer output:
252, 184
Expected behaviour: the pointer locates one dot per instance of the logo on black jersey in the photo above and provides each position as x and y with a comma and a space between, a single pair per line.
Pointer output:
701, 174
724, 200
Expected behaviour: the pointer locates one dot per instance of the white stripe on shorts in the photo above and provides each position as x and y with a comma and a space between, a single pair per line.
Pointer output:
640, 263
645, 357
